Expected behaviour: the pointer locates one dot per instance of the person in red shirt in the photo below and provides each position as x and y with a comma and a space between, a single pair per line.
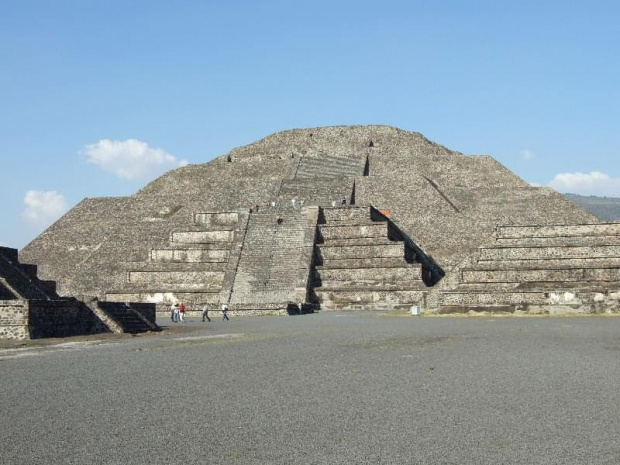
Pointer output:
182, 311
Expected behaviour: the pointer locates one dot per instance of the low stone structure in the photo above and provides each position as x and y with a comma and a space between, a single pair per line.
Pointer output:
360, 217
30, 308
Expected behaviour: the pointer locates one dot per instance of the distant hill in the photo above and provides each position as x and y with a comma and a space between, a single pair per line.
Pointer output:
606, 208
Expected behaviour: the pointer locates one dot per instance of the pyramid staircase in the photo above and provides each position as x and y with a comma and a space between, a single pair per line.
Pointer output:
196, 266
274, 264
322, 180
361, 263
124, 317
542, 269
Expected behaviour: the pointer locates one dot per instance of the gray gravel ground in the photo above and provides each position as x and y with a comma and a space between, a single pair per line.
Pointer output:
325, 389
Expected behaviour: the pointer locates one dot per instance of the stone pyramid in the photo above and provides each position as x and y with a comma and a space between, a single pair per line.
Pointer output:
264, 229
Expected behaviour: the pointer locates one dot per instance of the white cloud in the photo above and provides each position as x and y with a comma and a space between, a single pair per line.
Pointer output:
527, 154
131, 158
594, 183
43, 207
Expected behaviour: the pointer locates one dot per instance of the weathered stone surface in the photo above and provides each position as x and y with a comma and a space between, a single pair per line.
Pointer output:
541, 269
441, 204
355, 275
200, 237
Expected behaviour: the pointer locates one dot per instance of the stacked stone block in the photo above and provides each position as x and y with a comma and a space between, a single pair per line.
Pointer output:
195, 267
542, 269
358, 266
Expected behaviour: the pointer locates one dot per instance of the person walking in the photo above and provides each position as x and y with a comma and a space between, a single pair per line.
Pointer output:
205, 313
182, 312
175, 313
172, 311
225, 312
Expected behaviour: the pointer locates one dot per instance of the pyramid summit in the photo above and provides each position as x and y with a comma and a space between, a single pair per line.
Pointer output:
344, 217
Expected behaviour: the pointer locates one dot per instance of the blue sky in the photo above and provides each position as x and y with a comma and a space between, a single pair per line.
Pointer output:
98, 98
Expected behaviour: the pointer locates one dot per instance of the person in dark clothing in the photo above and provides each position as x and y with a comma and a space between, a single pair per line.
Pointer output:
205, 313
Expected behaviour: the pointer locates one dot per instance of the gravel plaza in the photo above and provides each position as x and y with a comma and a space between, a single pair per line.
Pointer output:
327, 388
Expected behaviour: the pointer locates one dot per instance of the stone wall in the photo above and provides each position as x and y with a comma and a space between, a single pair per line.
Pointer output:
14, 320
61, 319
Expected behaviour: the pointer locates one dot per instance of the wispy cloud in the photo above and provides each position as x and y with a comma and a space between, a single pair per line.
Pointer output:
130, 159
43, 207
527, 154
594, 183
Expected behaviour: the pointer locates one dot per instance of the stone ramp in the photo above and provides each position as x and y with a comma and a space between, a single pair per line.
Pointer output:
361, 265
542, 269
274, 265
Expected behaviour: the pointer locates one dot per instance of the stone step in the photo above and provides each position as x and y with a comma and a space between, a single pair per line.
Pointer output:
328, 232
263, 296
221, 220
582, 286
563, 275
190, 279
126, 317
358, 241
373, 262
29, 270
458, 298
393, 249
202, 237
368, 299
597, 229
168, 298
589, 241
189, 255
369, 284
537, 301
199, 246
528, 253
181, 267
346, 215
408, 273
561, 263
